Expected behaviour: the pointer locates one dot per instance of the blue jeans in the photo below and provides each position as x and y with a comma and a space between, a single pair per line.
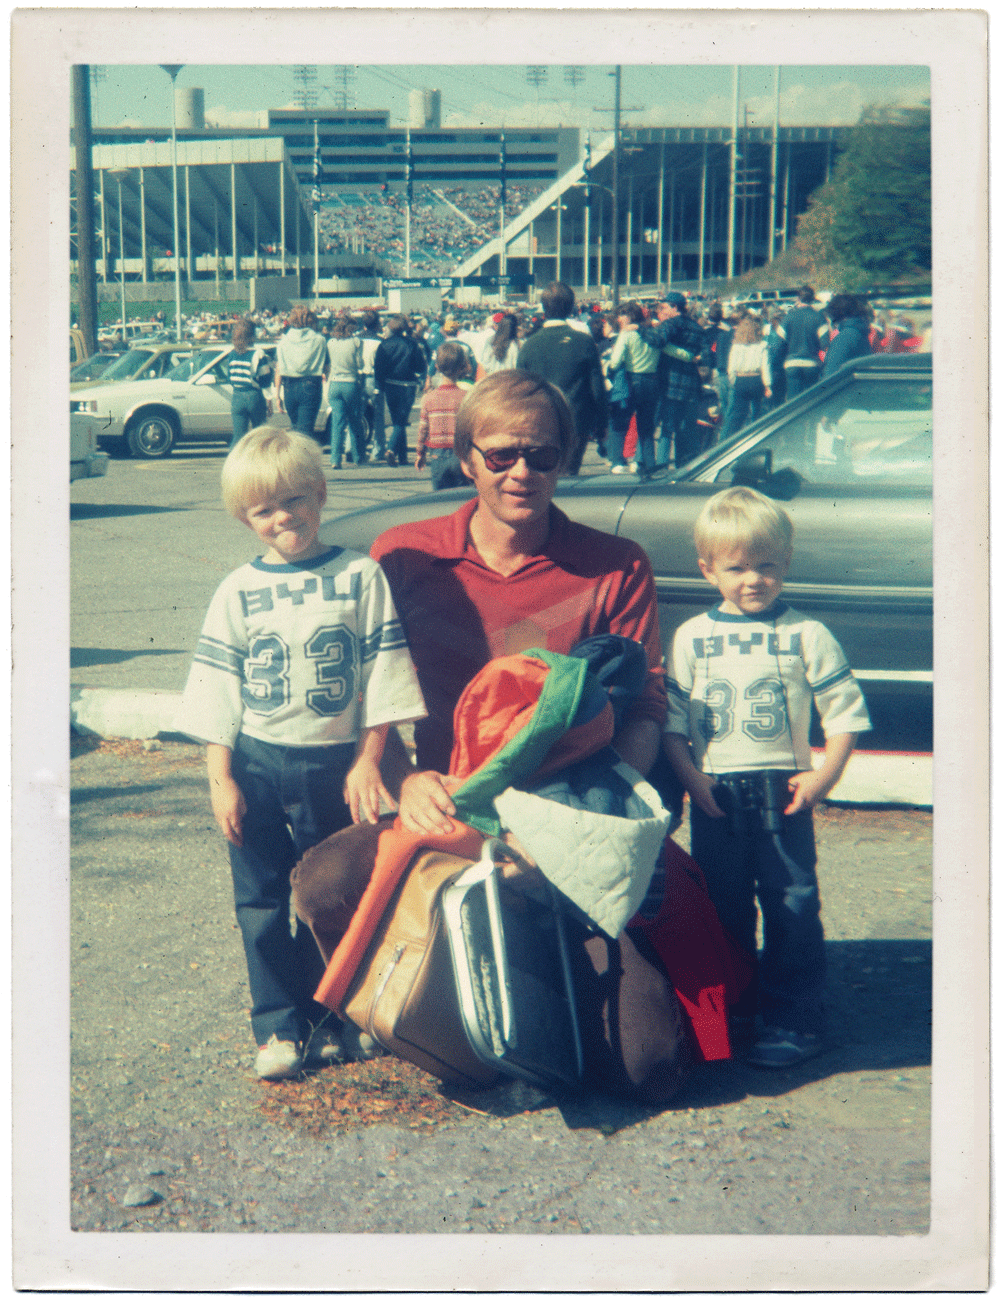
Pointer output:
345, 413
446, 469
302, 396
374, 412
679, 421
294, 799
399, 400
249, 409
791, 968
642, 402
746, 403
798, 379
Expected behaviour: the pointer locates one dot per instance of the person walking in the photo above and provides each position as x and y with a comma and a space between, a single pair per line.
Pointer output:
346, 356
749, 375
568, 358
249, 374
680, 341
638, 360
806, 334
399, 367
302, 365
373, 401
500, 353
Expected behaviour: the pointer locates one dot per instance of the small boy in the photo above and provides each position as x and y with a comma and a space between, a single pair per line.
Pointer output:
741, 681
436, 432
301, 667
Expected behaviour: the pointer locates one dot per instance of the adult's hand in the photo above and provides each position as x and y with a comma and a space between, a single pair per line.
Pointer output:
425, 803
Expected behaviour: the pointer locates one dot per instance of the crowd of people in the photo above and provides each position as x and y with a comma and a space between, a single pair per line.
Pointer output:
651, 385
446, 225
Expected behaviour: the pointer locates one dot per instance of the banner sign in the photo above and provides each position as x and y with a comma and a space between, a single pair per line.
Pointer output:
452, 282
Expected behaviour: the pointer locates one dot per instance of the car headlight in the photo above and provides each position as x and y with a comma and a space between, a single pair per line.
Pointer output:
83, 404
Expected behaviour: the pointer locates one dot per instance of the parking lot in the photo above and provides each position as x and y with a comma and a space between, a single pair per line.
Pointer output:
161, 1070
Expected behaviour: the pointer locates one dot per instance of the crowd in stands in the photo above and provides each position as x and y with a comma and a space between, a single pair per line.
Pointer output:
440, 237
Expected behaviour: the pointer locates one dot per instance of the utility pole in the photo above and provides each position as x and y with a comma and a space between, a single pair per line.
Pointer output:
172, 69
733, 161
617, 110
316, 197
503, 213
85, 274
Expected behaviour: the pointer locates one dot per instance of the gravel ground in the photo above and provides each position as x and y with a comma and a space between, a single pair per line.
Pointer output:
170, 1131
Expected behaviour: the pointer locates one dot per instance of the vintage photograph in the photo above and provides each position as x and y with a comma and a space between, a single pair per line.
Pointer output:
506, 757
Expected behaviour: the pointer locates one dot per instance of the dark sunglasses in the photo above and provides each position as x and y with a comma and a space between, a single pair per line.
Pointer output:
540, 459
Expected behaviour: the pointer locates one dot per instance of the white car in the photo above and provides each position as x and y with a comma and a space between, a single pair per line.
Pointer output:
85, 461
147, 418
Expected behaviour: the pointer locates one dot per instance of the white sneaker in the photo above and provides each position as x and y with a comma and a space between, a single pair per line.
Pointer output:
278, 1059
620, 469
633, 467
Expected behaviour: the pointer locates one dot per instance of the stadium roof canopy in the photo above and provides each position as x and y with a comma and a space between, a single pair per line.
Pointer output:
241, 193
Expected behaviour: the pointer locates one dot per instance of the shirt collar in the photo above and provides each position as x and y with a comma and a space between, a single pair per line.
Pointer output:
456, 544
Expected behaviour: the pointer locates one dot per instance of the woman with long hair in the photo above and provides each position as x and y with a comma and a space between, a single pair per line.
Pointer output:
501, 351
749, 374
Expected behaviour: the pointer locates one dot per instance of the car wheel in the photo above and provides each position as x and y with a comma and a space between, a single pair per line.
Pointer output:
151, 436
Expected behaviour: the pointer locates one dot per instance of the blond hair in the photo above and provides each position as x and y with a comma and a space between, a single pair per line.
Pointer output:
266, 462
742, 518
507, 390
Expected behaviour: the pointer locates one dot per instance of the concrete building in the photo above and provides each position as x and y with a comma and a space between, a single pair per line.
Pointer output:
360, 148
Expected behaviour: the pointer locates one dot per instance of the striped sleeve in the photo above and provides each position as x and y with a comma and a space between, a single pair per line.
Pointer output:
211, 708
835, 689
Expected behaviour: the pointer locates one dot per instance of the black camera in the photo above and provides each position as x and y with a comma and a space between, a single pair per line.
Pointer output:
766, 790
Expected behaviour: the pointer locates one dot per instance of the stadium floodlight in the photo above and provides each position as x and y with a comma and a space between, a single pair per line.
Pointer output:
172, 69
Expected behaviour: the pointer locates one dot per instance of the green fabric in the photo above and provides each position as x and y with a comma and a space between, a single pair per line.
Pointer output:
554, 713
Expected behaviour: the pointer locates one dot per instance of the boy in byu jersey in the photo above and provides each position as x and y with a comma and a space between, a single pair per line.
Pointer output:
301, 668
741, 681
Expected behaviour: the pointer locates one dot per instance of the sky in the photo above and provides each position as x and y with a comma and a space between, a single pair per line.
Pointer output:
139, 95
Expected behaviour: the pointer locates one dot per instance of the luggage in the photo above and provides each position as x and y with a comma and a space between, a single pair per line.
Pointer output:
403, 991
468, 978
512, 969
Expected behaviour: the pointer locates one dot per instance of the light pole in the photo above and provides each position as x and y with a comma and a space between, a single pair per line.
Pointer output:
172, 69
117, 173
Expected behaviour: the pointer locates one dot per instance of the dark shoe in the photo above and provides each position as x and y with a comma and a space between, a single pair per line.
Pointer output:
742, 1033
336, 465
778, 1049
390, 458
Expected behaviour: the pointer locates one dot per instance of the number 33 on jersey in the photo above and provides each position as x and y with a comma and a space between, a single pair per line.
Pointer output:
741, 689
300, 655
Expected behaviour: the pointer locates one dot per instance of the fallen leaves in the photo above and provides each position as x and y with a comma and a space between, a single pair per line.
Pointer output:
357, 1095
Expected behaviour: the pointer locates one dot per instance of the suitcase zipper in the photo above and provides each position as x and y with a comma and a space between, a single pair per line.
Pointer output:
397, 955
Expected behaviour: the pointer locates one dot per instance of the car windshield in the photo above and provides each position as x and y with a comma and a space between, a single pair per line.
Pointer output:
875, 431
99, 364
128, 363
192, 363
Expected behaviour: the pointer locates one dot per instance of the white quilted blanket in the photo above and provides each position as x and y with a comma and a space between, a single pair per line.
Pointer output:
604, 864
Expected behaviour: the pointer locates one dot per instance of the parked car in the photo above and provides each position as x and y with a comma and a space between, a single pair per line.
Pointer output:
850, 460
93, 367
86, 461
153, 361
191, 403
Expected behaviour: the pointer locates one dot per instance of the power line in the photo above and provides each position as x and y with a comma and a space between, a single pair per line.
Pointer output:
304, 74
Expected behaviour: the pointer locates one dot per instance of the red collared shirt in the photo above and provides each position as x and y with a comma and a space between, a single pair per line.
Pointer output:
459, 614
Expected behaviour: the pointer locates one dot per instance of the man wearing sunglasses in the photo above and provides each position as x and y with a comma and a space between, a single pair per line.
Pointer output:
506, 572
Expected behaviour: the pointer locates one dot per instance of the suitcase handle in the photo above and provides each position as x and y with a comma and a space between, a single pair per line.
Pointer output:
493, 849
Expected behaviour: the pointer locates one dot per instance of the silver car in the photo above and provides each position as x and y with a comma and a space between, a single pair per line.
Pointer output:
849, 459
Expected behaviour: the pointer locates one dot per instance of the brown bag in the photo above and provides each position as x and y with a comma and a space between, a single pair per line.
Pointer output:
403, 992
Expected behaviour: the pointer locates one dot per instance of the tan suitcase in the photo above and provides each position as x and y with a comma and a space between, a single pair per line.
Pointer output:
403, 993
